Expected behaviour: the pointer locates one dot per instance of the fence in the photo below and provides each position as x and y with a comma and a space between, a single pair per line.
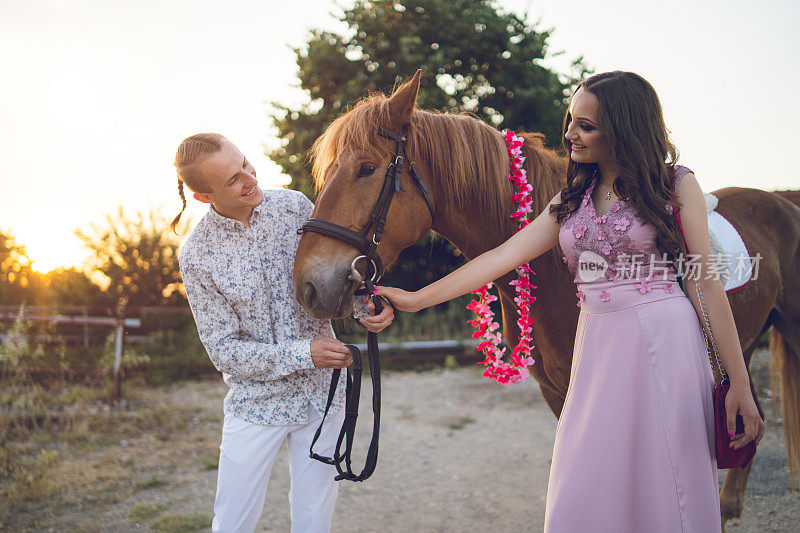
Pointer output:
119, 323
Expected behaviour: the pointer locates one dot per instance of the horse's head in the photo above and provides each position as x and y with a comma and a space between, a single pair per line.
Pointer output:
351, 160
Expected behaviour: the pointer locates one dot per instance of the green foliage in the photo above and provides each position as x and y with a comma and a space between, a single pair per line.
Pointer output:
67, 287
131, 357
476, 58
28, 479
20, 402
137, 256
18, 280
176, 355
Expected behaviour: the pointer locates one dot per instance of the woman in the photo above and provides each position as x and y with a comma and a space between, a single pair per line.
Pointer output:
634, 448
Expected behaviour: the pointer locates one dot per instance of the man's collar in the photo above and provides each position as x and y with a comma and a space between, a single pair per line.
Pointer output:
232, 223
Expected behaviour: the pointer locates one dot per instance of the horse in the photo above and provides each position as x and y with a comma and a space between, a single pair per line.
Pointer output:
792, 196
464, 163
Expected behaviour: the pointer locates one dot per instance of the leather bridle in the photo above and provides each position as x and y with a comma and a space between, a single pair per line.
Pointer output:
377, 218
368, 247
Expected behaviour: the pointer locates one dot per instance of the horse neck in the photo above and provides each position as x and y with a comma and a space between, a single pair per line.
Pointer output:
470, 234
481, 220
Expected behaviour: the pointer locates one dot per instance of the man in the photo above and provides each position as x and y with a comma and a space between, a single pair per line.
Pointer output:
276, 359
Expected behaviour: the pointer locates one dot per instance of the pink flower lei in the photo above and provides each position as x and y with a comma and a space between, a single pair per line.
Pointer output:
514, 371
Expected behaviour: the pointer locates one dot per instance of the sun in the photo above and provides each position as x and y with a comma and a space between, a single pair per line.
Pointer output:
48, 253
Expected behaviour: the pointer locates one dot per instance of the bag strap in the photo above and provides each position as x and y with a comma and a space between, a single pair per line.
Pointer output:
711, 346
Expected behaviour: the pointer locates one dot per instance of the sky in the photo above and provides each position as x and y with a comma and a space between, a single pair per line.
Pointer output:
95, 95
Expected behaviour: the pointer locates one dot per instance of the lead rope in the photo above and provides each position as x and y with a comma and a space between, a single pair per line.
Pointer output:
353, 396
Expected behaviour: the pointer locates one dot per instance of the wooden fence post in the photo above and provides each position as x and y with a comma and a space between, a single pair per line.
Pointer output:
85, 328
117, 391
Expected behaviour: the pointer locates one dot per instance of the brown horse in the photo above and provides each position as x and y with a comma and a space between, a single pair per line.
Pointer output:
792, 196
464, 164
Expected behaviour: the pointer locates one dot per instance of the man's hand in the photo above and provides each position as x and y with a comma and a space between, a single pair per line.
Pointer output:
377, 323
330, 353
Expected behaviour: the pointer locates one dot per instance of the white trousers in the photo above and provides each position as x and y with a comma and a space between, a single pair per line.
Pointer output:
247, 454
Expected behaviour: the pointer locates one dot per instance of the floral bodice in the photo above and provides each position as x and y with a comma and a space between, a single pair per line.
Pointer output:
617, 247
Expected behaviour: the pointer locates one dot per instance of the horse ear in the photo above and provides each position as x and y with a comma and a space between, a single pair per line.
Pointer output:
401, 103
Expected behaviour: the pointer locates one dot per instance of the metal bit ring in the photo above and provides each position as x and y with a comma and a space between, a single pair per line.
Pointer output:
357, 275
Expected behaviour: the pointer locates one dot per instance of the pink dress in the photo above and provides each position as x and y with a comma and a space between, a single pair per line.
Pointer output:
634, 447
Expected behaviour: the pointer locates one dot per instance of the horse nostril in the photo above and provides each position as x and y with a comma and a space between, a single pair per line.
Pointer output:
309, 294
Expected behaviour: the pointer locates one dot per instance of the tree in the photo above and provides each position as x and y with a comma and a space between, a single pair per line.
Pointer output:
18, 280
476, 58
71, 287
138, 258
59, 288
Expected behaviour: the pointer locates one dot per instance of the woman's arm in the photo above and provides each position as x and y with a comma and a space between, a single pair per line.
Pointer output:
527, 244
694, 220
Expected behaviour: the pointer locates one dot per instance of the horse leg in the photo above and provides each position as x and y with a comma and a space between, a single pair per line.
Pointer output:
731, 498
511, 331
554, 399
784, 344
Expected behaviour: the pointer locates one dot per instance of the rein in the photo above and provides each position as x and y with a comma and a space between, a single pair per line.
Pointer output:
368, 247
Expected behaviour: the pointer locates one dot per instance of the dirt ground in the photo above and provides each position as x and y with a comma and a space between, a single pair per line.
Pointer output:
458, 453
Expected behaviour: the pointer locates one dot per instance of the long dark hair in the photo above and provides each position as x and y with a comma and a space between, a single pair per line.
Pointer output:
630, 114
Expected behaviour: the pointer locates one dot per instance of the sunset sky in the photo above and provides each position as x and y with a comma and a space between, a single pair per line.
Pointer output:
95, 95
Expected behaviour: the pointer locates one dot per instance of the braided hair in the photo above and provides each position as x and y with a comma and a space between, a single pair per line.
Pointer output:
191, 151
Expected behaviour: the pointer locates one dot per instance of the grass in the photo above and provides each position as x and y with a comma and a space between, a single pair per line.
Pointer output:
28, 479
180, 523
461, 424
210, 462
65, 451
146, 511
152, 483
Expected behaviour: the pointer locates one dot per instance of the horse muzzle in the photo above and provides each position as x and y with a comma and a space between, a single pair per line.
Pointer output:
327, 292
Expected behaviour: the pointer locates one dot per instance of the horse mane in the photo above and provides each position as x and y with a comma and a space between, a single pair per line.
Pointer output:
467, 157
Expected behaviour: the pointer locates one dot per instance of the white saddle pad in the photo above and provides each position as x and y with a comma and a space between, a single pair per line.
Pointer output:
731, 257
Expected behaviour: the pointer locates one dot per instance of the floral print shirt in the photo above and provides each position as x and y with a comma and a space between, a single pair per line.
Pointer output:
239, 284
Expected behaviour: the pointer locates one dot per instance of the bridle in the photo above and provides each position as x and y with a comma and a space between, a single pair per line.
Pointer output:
368, 247
391, 184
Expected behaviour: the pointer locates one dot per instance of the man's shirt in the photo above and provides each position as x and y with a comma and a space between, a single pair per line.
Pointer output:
239, 284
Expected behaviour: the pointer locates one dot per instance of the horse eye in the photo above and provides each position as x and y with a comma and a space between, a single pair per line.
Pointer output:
366, 170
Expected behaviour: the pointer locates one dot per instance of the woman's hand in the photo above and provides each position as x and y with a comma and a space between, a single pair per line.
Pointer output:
739, 400
400, 299
377, 323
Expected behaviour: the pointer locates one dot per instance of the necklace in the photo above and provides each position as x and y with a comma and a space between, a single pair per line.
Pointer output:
608, 192
607, 196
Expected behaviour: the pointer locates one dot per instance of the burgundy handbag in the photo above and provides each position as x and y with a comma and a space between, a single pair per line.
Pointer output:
727, 457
